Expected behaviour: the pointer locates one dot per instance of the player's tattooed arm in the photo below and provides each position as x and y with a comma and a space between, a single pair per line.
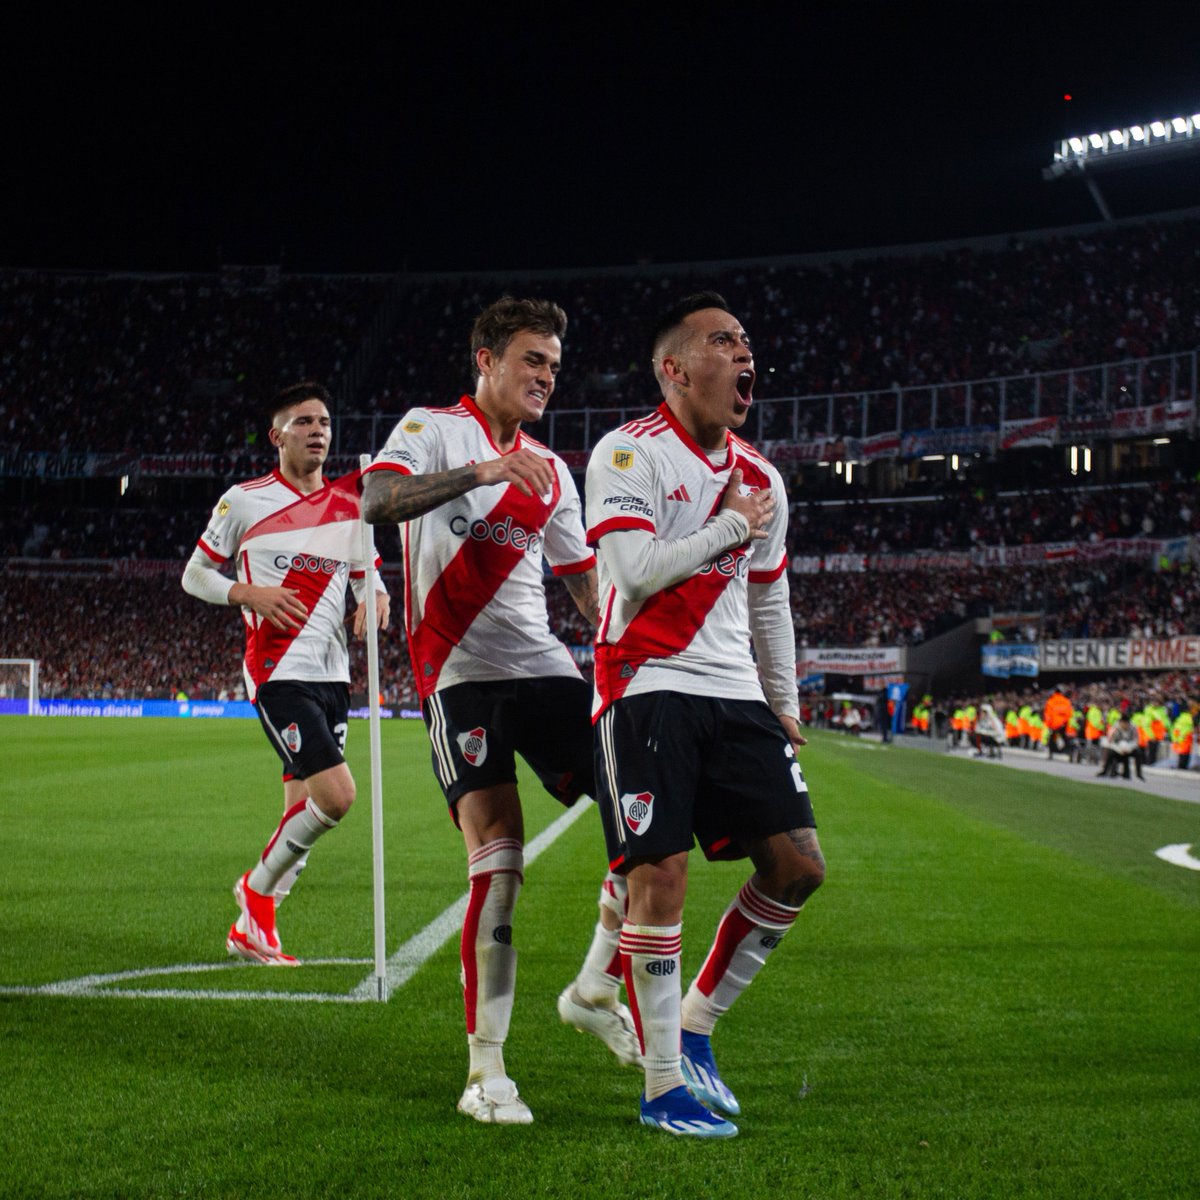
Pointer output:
584, 592
390, 497
393, 497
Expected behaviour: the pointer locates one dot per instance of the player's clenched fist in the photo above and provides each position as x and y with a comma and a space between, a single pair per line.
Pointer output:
530, 472
756, 507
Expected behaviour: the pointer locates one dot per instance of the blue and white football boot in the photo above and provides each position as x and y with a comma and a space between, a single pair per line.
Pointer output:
702, 1077
680, 1113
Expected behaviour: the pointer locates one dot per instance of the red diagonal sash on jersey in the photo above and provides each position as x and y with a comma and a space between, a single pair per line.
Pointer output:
324, 524
317, 532
470, 581
271, 644
664, 626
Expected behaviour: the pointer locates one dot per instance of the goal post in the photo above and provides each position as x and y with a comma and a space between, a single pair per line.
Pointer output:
19, 685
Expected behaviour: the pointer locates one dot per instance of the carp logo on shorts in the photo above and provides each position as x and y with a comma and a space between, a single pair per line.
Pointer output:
638, 810
474, 746
291, 737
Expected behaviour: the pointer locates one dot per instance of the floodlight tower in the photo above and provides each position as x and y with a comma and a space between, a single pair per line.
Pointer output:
1136, 146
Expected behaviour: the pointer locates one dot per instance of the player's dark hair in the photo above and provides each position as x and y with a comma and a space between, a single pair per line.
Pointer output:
501, 321
297, 393
673, 317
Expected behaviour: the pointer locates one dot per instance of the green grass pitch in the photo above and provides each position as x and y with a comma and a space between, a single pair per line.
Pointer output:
996, 993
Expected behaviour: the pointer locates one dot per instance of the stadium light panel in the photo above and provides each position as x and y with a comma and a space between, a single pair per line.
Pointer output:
1126, 146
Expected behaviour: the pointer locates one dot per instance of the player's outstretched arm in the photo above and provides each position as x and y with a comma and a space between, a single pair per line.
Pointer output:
391, 497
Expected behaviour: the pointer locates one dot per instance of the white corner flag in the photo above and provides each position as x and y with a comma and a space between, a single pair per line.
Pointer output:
329, 524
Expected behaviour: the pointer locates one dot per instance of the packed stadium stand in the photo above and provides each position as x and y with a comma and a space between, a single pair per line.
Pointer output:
921, 402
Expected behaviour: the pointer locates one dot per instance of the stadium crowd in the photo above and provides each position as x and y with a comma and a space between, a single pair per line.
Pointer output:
171, 364
165, 364
969, 517
177, 365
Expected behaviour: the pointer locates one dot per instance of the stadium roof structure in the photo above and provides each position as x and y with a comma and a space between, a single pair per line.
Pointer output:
1143, 145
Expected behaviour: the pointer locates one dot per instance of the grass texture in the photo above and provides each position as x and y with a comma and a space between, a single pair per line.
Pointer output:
994, 995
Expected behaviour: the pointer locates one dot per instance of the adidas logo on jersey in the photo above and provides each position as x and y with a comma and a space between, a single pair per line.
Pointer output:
680, 493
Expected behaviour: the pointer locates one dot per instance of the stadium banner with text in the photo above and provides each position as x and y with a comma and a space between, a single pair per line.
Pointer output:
82, 707
1121, 654
852, 660
1153, 550
1035, 431
962, 439
1003, 660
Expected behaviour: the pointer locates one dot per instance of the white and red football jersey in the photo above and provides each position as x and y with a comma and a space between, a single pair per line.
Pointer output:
474, 596
317, 651
693, 636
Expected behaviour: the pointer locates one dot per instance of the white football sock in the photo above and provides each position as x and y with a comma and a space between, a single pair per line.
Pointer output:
302, 824
650, 957
753, 925
489, 961
599, 979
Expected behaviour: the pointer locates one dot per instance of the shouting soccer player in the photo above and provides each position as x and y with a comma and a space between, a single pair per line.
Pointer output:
480, 503
297, 665
689, 523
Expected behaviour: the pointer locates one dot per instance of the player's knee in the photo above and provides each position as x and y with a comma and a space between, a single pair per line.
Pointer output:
333, 792
806, 868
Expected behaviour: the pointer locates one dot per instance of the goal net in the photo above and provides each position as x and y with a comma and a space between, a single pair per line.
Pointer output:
19, 684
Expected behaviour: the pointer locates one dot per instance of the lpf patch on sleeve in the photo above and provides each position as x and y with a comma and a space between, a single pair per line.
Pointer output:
222, 508
622, 458
413, 426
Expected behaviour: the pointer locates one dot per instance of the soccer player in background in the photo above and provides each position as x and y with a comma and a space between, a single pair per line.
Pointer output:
480, 503
694, 736
297, 663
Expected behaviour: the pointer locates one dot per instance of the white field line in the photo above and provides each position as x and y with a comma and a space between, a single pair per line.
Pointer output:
1179, 855
401, 966
409, 959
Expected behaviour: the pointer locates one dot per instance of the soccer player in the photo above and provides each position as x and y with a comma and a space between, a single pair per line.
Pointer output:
695, 737
480, 503
297, 665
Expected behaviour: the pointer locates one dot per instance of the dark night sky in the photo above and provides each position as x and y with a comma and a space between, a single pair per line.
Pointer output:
581, 136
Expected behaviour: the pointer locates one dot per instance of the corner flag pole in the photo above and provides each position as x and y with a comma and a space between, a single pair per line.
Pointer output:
368, 546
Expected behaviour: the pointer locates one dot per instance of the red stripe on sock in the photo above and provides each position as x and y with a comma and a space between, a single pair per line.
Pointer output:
470, 932
733, 928
631, 992
287, 816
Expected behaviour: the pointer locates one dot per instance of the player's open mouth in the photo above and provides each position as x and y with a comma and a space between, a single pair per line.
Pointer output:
745, 387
